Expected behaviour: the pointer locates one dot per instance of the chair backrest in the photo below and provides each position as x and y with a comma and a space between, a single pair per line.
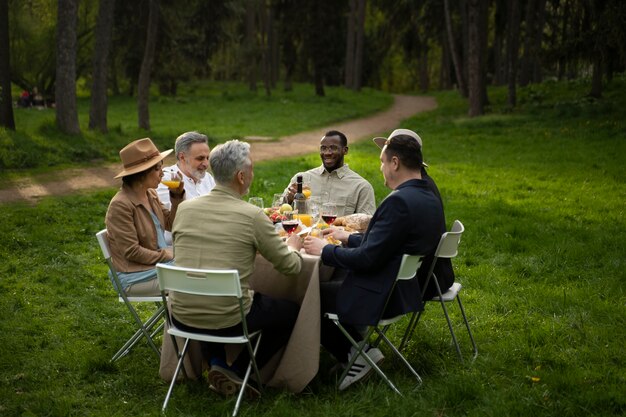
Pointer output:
103, 240
449, 242
447, 248
212, 282
409, 266
408, 269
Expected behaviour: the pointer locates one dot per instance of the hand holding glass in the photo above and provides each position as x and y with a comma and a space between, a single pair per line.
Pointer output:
171, 179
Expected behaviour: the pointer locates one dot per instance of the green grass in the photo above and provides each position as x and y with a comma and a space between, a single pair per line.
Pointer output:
220, 110
541, 193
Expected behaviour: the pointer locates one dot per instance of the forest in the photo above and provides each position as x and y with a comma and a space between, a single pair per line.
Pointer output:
69, 48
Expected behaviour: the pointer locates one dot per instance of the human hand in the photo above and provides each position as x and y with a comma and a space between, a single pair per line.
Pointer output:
294, 241
180, 190
338, 234
291, 192
314, 245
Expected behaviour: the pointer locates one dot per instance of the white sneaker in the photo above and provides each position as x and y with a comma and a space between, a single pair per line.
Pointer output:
361, 369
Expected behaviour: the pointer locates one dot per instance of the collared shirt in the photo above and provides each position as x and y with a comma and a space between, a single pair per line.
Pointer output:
192, 189
220, 230
132, 235
351, 192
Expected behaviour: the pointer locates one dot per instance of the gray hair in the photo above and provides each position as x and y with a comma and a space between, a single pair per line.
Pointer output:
184, 141
228, 158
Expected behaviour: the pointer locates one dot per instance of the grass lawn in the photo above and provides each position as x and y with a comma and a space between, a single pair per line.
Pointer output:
541, 193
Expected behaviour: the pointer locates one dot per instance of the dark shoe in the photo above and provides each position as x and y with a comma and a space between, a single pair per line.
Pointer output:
228, 383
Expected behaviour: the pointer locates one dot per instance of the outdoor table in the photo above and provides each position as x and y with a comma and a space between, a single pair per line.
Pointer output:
299, 361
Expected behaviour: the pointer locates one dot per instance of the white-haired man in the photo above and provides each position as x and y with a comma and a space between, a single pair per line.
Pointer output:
220, 230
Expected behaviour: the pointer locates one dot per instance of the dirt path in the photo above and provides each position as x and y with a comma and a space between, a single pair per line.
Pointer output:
69, 181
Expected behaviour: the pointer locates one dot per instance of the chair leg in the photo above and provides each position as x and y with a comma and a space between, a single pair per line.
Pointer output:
469, 331
454, 340
178, 366
381, 335
410, 328
252, 364
359, 347
143, 331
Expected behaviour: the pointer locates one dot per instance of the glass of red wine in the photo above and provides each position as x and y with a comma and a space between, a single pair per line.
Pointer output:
290, 221
329, 212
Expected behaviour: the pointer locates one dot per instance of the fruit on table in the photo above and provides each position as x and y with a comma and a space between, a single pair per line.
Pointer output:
285, 207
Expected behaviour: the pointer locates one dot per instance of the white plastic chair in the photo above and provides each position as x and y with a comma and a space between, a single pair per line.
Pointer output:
447, 248
144, 329
211, 283
408, 270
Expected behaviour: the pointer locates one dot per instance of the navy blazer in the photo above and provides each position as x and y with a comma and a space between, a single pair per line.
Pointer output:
443, 272
410, 220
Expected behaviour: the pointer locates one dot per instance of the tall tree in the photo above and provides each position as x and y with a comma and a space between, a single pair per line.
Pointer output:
456, 57
65, 91
512, 50
143, 87
475, 60
251, 47
98, 109
6, 102
355, 37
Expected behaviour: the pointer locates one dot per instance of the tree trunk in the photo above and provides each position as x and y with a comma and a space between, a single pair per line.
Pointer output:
6, 102
474, 67
143, 86
536, 74
596, 76
360, 36
98, 108
265, 23
456, 59
65, 91
350, 35
250, 49
444, 70
512, 50
424, 77
499, 56
527, 57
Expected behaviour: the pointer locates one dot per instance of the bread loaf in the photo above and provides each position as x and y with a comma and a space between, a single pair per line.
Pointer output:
357, 222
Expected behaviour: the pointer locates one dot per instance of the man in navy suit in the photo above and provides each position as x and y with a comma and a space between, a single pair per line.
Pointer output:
410, 220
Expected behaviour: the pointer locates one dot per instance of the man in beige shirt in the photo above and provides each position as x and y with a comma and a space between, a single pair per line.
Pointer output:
351, 192
220, 230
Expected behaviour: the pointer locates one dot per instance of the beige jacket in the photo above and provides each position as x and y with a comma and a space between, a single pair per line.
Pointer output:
131, 231
221, 231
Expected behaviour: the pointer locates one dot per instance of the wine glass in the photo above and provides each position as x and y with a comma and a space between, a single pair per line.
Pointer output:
256, 201
277, 201
329, 212
290, 221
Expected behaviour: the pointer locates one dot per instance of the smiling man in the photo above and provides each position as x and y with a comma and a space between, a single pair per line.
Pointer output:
351, 192
192, 153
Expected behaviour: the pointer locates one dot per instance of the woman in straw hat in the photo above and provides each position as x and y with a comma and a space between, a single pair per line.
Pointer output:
136, 219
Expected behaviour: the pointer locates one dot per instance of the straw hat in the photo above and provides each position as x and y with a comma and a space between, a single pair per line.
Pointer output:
381, 142
140, 155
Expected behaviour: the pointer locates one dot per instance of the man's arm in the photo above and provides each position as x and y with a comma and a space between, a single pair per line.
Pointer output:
384, 240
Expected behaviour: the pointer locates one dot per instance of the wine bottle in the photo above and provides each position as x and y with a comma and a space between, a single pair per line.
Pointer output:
299, 199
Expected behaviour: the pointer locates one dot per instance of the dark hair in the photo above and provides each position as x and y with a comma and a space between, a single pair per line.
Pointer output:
406, 149
342, 137
136, 177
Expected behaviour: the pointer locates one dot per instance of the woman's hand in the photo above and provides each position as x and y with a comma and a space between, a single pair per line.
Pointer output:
178, 192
